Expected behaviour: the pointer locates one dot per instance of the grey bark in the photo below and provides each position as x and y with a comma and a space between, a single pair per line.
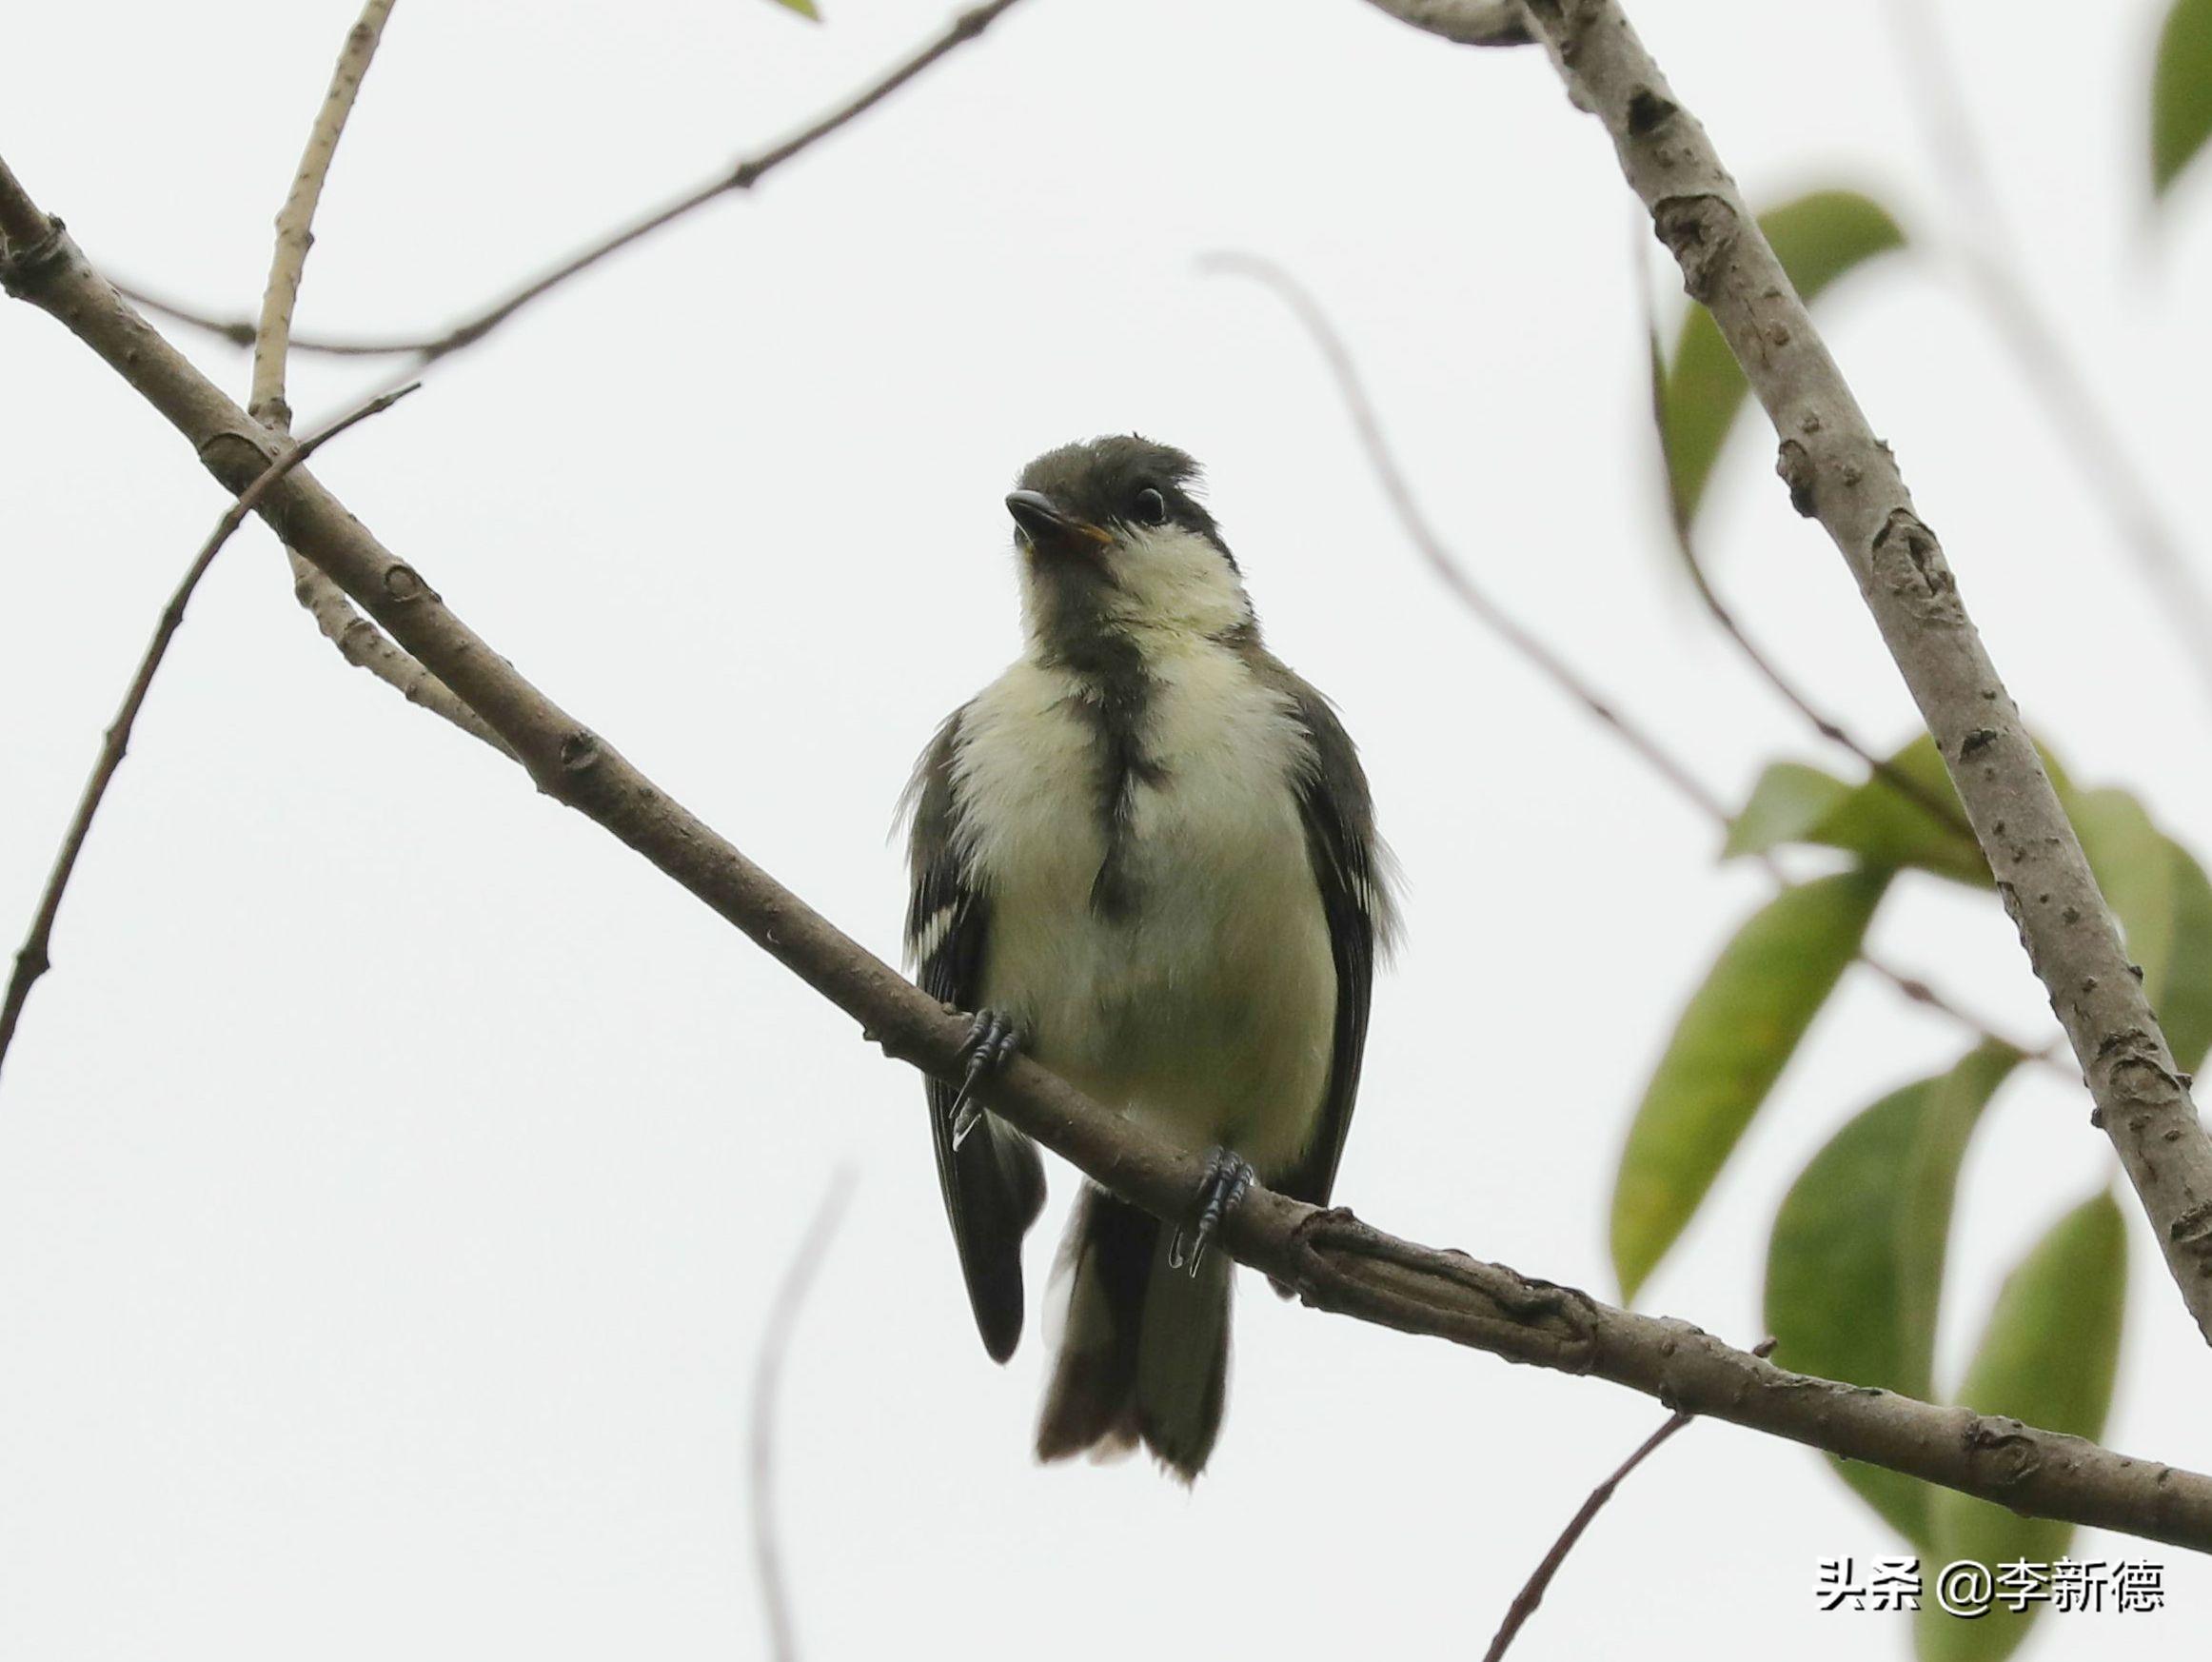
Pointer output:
1840, 473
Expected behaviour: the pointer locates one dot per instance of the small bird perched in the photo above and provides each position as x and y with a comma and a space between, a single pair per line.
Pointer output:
1146, 856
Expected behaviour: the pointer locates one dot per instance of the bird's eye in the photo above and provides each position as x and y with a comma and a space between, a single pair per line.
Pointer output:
1150, 507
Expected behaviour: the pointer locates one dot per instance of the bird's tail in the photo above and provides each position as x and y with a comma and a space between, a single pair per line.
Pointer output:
1144, 1349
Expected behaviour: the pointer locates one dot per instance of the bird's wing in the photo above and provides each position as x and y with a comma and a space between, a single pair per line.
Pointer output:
1350, 865
993, 1183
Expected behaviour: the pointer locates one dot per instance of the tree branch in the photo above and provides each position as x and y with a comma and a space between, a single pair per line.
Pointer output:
1334, 1261
1827, 726
1398, 492
1539, 1582
1845, 477
743, 175
1483, 23
242, 331
358, 642
767, 1375
295, 224
2039, 351
31, 960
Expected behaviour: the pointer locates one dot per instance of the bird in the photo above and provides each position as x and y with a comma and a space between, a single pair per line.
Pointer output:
1144, 856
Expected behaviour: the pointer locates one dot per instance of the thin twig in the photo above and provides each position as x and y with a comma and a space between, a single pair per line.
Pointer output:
1539, 1582
242, 331
358, 642
743, 176
1562, 673
2039, 351
1946, 814
1916, 991
295, 224
1431, 545
1825, 726
1333, 1260
31, 960
767, 1373
1532, 1594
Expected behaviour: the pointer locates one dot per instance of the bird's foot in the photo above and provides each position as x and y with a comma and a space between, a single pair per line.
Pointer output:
1227, 1177
991, 1040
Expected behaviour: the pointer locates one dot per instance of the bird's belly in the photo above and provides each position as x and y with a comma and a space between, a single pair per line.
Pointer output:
1207, 1005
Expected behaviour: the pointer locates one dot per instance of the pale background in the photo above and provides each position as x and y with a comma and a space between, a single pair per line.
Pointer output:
394, 1172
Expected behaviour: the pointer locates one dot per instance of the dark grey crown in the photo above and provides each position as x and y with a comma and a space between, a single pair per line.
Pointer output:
1100, 481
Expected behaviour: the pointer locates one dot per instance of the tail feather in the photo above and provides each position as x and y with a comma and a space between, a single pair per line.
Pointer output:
1092, 1400
1182, 1362
1144, 1351
993, 1188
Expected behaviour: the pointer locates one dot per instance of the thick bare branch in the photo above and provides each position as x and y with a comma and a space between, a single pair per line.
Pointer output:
1334, 1261
1845, 477
743, 175
31, 960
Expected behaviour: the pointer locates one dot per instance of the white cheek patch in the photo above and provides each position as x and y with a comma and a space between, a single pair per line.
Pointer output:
1171, 576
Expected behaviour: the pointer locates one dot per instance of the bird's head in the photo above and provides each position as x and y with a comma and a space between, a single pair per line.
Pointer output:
1113, 541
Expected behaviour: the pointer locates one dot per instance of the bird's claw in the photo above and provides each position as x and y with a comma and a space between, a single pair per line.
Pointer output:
992, 1038
1227, 1177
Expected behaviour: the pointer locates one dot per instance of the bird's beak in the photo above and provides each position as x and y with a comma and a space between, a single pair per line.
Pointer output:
1045, 527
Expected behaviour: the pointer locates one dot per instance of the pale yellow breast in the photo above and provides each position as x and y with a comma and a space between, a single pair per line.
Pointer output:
1210, 1009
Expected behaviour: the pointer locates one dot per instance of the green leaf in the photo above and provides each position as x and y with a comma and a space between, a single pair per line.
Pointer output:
1855, 1264
2133, 865
2047, 1358
2158, 892
1818, 238
1789, 799
804, 9
2180, 92
2184, 1002
2155, 887
1881, 823
1921, 825
1926, 1187
1730, 1045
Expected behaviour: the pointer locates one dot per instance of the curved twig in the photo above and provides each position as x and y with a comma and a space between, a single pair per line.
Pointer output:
743, 175
295, 224
31, 959
1432, 548
767, 1375
1761, 660
1539, 1582
2052, 373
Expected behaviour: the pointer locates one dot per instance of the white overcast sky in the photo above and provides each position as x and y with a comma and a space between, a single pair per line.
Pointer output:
395, 1172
